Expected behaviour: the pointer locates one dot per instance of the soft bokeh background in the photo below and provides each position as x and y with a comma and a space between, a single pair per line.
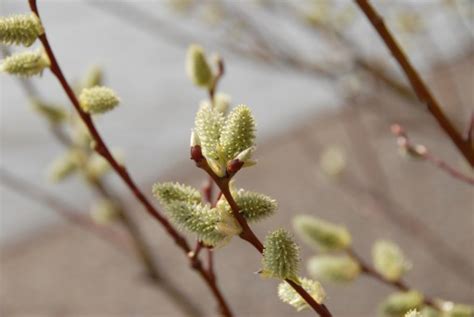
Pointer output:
50, 268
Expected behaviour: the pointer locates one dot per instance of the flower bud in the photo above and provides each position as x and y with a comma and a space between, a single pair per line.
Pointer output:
389, 260
217, 167
25, 64
227, 224
321, 234
253, 206
104, 212
22, 29
54, 114
197, 67
194, 139
65, 165
246, 157
208, 127
238, 133
398, 304
332, 161
334, 268
93, 78
280, 256
222, 103
168, 193
199, 219
98, 99
288, 295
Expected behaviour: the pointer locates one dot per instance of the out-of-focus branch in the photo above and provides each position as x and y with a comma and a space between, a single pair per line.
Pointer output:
421, 152
38, 195
423, 93
247, 233
352, 188
332, 34
109, 235
141, 247
102, 149
398, 284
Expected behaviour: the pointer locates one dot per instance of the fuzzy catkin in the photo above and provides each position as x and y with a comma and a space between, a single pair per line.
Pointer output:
334, 268
21, 29
197, 218
98, 99
280, 256
389, 260
398, 304
25, 64
208, 127
168, 193
253, 206
238, 133
197, 67
322, 234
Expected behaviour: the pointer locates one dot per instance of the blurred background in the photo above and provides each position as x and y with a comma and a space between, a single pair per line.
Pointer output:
324, 91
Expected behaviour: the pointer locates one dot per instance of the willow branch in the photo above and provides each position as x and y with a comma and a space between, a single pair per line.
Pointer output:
142, 248
38, 195
102, 149
111, 236
421, 89
421, 152
247, 233
398, 284
350, 187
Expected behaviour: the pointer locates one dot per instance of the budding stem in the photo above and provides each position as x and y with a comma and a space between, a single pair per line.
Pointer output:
247, 233
122, 172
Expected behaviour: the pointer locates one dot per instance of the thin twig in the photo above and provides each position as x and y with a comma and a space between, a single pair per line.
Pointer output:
38, 195
102, 149
217, 78
421, 89
114, 237
398, 284
210, 263
375, 70
152, 25
142, 249
392, 210
421, 152
194, 255
247, 233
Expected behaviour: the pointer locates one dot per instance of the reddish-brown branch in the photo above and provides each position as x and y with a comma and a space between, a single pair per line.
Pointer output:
142, 249
194, 255
102, 149
421, 89
247, 233
398, 284
208, 189
210, 263
421, 152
